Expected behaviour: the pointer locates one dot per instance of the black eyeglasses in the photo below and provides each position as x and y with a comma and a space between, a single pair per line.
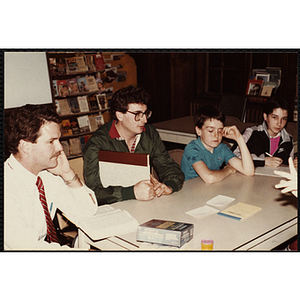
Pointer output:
139, 114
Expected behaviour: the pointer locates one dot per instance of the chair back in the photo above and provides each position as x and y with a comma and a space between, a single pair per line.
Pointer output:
77, 165
176, 154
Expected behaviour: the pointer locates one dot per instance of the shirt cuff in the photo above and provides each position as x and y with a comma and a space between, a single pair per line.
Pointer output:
172, 185
127, 193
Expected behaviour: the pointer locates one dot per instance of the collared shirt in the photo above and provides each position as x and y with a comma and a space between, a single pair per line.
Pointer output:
195, 151
24, 219
114, 134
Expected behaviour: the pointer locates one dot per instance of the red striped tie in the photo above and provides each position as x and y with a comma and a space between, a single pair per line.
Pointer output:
51, 233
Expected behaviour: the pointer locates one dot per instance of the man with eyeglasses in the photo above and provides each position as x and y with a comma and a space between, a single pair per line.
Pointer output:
129, 132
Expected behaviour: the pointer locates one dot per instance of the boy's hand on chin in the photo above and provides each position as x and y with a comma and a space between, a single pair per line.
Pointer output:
231, 132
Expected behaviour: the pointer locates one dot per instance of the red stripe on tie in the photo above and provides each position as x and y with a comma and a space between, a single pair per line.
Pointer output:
51, 232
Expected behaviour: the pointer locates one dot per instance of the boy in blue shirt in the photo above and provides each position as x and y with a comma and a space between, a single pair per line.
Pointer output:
205, 156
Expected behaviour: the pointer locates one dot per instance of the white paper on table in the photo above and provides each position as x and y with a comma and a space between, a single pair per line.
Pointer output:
202, 211
220, 200
104, 209
105, 224
269, 171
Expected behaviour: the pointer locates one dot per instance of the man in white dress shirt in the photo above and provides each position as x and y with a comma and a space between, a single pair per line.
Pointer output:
32, 135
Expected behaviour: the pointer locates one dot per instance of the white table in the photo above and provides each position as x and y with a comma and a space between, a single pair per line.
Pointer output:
182, 130
274, 224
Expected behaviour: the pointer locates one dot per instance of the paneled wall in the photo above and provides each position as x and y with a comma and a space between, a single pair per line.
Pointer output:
179, 79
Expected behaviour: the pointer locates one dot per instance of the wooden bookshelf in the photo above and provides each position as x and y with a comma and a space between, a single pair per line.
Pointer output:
116, 71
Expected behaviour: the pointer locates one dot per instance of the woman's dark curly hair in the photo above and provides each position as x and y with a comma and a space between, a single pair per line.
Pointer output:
25, 122
125, 96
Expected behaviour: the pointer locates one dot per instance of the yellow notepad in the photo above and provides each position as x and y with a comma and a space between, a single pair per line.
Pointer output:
239, 211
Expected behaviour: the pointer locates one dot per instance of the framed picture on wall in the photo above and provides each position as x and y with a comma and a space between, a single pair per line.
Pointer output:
254, 87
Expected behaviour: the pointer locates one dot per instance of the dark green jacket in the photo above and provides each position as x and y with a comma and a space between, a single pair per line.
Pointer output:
167, 169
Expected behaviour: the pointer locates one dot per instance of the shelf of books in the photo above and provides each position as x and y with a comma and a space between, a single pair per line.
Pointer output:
82, 86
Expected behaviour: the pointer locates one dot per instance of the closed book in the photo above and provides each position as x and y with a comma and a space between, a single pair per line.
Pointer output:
239, 211
63, 107
93, 123
93, 103
83, 123
82, 85
74, 125
61, 66
99, 119
75, 146
66, 147
72, 86
99, 62
91, 82
52, 64
62, 88
102, 101
65, 126
164, 232
74, 106
83, 103
90, 62
267, 91
72, 66
82, 67
100, 84
123, 168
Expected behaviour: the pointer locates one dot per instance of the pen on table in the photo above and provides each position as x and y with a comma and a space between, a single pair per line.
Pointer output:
51, 207
269, 154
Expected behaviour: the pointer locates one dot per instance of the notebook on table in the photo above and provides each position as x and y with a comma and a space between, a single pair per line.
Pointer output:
123, 168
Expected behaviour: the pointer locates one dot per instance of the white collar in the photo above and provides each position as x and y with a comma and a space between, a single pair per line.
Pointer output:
21, 171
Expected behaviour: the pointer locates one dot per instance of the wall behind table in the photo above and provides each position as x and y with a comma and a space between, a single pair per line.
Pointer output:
26, 79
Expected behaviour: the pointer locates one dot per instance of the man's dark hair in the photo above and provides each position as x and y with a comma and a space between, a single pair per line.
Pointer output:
208, 112
125, 96
25, 122
274, 103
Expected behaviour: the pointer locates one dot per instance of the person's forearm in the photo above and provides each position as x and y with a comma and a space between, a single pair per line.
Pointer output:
113, 194
72, 180
216, 176
247, 162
